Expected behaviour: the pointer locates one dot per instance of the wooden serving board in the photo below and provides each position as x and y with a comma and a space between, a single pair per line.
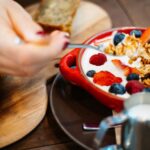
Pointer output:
23, 101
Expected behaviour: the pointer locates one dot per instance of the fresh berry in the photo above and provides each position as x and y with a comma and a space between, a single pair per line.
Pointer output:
120, 65
90, 73
125, 68
132, 76
147, 89
73, 66
118, 38
136, 33
117, 88
105, 78
134, 86
98, 59
134, 70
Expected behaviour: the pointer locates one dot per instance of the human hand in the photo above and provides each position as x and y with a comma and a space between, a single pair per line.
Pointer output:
34, 51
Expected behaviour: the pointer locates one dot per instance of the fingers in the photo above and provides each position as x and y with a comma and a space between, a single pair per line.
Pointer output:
29, 54
58, 41
7, 36
23, 24
27, 59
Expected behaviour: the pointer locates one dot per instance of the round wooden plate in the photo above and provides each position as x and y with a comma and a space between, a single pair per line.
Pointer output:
23, 104
86, 22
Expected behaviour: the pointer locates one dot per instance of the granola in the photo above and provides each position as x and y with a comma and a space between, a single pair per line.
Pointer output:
133, 47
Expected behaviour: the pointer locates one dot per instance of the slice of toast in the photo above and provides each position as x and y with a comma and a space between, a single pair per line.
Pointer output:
57, 14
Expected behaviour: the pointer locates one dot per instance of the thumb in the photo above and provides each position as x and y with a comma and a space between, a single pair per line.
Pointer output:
23, 24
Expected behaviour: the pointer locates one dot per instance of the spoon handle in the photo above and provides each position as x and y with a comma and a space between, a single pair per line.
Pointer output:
95, 126
82, 46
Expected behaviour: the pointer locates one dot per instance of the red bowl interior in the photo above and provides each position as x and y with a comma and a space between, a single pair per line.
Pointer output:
78, 77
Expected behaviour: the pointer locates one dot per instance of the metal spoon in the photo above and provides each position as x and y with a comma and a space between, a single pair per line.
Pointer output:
95, 126
97, 48
83, 46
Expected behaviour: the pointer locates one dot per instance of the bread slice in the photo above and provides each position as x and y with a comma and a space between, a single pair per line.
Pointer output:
57, 14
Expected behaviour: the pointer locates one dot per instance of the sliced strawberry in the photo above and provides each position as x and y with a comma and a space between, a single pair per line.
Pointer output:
145, 36
126, 69
117, 63
105, 78
134, 70
120, 65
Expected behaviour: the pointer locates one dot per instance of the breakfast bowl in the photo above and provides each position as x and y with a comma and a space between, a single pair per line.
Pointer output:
114, 72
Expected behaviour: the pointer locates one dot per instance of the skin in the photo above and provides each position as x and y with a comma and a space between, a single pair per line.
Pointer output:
35, 51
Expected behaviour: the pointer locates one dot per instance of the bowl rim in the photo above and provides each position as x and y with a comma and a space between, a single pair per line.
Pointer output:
89, 41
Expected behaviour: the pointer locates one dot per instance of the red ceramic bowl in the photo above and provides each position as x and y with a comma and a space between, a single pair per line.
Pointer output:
77, 76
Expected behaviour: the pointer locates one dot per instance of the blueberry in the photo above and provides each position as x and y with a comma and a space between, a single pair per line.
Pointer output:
147, 89
136, 33
117, 88
118, 38
90, 73
132, 76
73, 67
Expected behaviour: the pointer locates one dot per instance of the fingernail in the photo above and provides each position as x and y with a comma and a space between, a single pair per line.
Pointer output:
67, 35
41, 33
65, 45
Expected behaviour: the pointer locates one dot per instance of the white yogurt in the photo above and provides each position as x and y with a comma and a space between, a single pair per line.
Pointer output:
107, 66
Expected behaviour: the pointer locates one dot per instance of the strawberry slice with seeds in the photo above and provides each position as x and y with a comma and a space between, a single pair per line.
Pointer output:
134, 70
106, 78
126, 69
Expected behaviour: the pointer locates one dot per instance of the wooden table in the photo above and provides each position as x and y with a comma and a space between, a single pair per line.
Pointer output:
48, 135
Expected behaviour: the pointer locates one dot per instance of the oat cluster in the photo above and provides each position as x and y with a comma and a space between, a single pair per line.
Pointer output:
135, 50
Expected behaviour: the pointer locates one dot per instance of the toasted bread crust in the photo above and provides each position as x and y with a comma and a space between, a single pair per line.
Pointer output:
57, 14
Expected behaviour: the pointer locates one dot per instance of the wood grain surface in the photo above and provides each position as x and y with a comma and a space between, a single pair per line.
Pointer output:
23, 101
23, 104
